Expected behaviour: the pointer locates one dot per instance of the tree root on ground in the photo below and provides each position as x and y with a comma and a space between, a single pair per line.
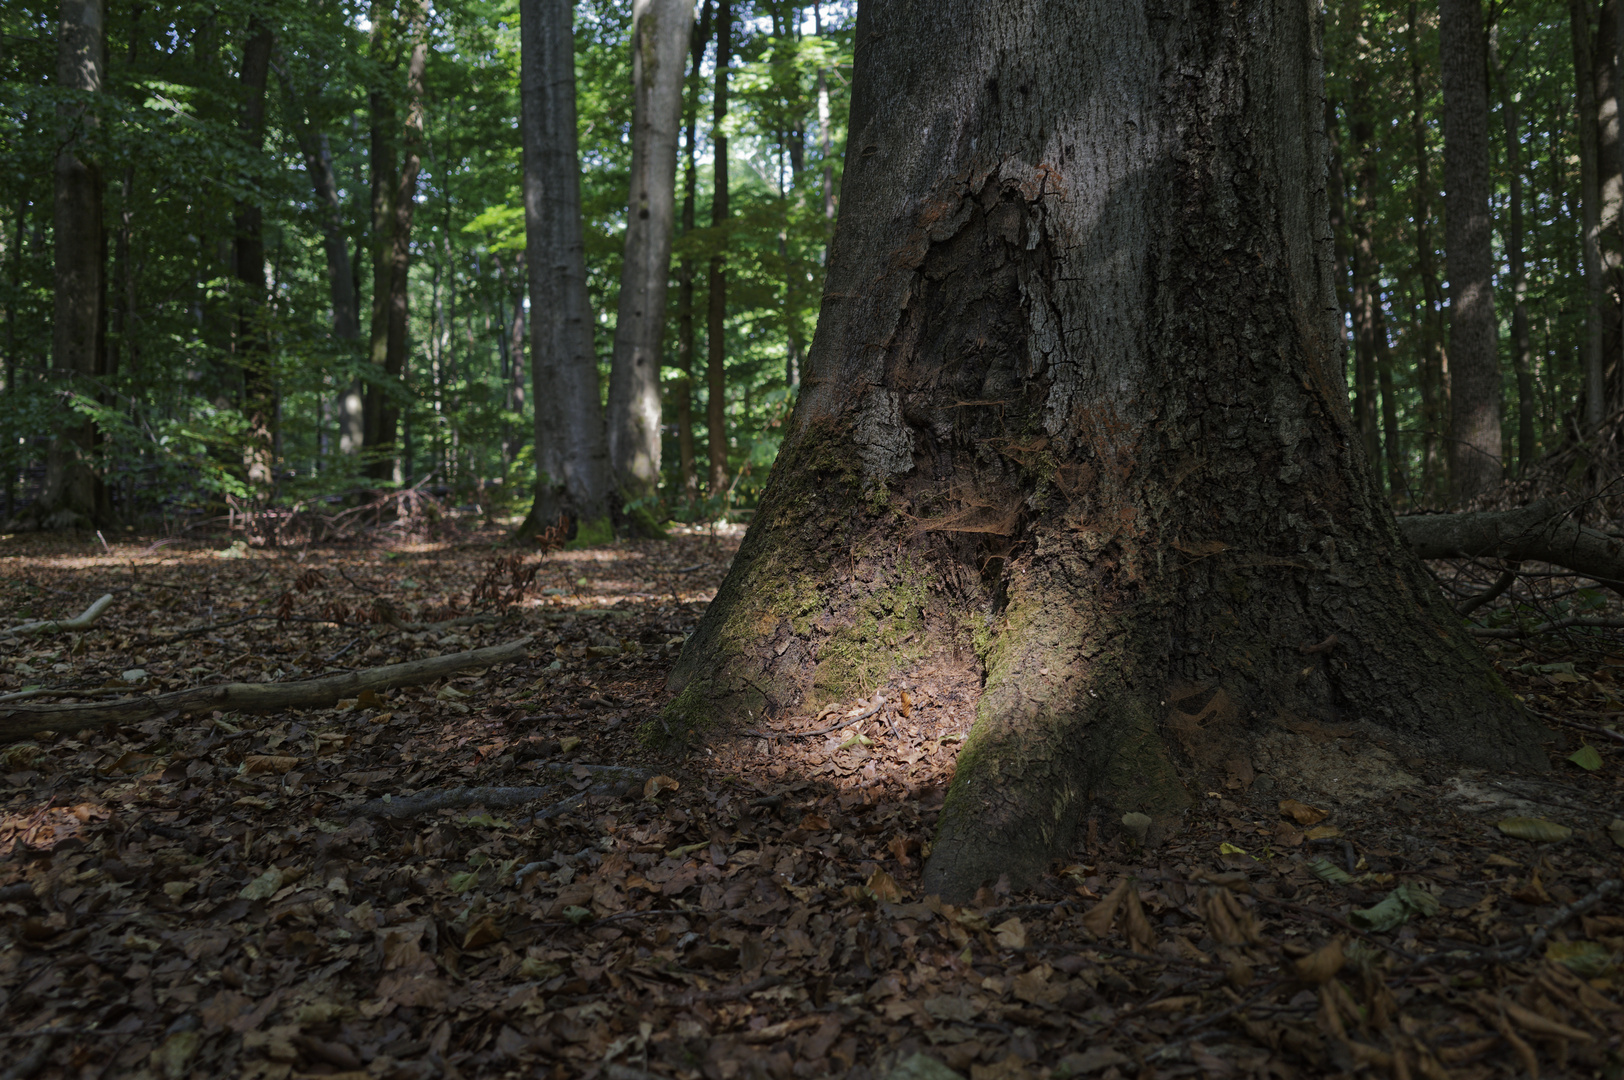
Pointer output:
22, 721
56, 626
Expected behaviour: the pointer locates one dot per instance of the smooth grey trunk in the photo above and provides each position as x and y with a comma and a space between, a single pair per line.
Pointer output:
716, 311
1474, 340
1595, 396
1074, 434
572, 458
318, 162
688, 478
825, 139
259, 391
74, 496
1521, 347
661, 32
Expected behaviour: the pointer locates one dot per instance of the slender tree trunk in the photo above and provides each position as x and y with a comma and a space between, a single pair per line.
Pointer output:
572, 459
661, 33
248, 335
1341, 243
1074, 408
1521, 349
74, 496
318, 162
1595, 389
716, 323
1610, 202
1366, 294
1433, 373
1474, 341
825, 139
685, 275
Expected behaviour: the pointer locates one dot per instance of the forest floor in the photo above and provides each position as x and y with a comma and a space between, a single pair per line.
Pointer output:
219, 894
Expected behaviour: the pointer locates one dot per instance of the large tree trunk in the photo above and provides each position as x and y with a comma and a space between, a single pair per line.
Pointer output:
1074, 422
394, 198
74, 496
259, 404
572, 461
1610, 196
1474, 337
716, 321
661, 33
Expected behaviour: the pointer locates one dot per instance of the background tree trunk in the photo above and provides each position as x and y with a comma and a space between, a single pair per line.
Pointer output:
685, 275
1074, 420
1521, 348
74, 495
248, 336
661, 33
1474, 338
572, 466
1595, 393
716, 323
1433, 375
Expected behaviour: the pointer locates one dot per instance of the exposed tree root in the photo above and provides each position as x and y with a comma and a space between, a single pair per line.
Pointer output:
1543, 531
610, 780
22, 721
56, 626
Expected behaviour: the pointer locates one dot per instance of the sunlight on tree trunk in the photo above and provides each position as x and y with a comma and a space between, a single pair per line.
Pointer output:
1074, 421
716, 323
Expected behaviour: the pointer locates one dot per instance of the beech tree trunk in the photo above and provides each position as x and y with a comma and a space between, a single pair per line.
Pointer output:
74, 496
259, 404
572, 460
661, 32
1474, 336
1433, 375
1522, 352
1595, 395
700, 36
394, 198
1074, 424
716, 320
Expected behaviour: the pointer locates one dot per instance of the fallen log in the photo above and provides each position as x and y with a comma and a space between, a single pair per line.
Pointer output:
22, 721
1541, 532
83, 621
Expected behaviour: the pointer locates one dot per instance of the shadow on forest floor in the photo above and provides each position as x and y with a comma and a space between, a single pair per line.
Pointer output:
196, 896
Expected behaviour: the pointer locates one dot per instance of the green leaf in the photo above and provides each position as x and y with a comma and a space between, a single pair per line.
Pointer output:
577, 915
263, 887
464, 881
1326, 870
1536, 829
1396, 908
1586, 959
855, 740
1586, 758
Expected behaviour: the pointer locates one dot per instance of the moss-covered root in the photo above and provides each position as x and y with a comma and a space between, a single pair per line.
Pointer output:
1022, 785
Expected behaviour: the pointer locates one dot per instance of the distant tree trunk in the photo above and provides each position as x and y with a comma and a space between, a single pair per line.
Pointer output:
1474, 340
1433, 373
572, 459
74, 496
661, 33
394, 198
1366, 295
1595, 388
248, 336
685, 274
1073, 433
1341, 243
825, 140
716, 324
1610, 201
318, 161
1521, 348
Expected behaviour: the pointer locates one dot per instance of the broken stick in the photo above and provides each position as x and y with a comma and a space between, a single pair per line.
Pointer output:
21, 721
57, 626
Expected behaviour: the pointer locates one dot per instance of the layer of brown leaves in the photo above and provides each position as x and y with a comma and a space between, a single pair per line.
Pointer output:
192, 897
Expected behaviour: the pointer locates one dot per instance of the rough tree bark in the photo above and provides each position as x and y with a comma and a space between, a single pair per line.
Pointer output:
1522, 352
1433, 375
716, 315
661, 32
572, 461
1474, 337
74, 495
1074, 420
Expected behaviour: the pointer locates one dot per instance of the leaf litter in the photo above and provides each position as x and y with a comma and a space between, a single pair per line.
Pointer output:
490, 876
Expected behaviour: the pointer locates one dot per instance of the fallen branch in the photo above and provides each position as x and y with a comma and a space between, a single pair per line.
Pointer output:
613, 780
22, 721
1541, 531
1570, 623
57, 626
